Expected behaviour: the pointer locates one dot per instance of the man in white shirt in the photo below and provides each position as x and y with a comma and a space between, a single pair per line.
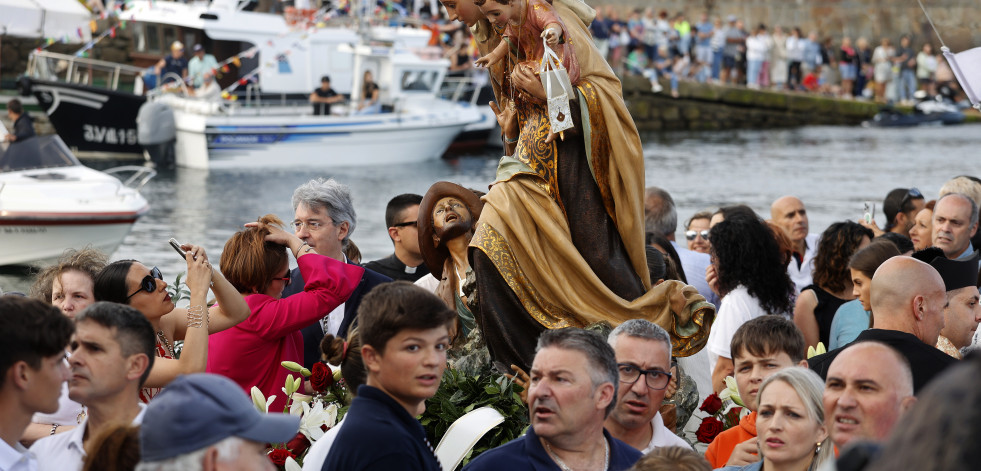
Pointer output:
789, 213
643, 354
112, 354
33, 336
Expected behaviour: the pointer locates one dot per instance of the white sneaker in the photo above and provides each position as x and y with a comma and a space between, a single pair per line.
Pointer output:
656, 87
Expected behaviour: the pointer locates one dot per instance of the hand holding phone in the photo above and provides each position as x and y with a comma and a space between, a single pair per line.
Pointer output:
177, 246
869, 212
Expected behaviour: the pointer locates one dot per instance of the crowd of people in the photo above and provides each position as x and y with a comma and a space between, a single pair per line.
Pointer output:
736, 51
93, 344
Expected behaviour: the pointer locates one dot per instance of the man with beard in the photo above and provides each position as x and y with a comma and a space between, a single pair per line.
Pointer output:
447, 216
643, 354
962, 313
573, 389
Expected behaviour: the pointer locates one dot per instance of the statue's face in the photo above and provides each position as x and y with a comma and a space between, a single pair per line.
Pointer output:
451, 218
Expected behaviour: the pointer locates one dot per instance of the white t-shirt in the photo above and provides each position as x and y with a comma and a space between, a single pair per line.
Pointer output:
662, 436
801, 276
314, 461
69, 412
737, 307
64, 451
16, 458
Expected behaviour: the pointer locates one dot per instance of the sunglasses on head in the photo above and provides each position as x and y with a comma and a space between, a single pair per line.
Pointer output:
149, 282
690, 235
912, 194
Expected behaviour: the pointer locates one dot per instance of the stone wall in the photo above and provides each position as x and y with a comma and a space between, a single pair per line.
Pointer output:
713, 107
959, 21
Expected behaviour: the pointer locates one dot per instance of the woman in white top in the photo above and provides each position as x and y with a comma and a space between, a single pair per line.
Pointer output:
882, 68
752, 277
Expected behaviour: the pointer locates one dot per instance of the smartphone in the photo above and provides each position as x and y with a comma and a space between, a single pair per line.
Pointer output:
177, 246
869, 211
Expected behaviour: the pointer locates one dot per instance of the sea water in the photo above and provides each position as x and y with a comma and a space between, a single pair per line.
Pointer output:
834, 170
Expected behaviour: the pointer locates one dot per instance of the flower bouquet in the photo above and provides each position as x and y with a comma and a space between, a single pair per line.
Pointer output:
722, 411
318, 412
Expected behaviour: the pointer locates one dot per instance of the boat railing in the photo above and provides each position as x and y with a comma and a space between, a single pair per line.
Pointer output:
67, 68
463, 89
141, 175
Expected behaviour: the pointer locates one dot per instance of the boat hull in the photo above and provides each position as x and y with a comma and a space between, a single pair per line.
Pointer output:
91, 120
388, 138
40, 243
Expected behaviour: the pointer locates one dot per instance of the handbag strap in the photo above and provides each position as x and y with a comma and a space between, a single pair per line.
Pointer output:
546, 66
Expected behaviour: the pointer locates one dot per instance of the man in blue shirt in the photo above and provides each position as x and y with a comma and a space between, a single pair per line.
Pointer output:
572, 389
174, 63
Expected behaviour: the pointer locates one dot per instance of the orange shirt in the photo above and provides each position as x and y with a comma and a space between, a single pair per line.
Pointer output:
719, 450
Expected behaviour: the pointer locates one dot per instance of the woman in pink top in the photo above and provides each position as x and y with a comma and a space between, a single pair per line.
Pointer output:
255, 262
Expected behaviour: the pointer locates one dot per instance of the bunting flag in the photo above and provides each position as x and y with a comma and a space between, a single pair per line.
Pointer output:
237, 61
93, 26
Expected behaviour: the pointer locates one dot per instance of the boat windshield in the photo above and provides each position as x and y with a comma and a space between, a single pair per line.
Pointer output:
34, 153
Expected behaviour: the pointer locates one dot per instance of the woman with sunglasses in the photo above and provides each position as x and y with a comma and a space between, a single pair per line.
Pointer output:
131, 282
697, 231
255, 261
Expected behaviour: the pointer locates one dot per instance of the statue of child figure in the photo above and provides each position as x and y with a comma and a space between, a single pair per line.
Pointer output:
524, 23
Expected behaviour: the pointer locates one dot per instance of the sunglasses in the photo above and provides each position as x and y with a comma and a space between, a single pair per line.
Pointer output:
405, 224
149, 283
912, 194
286, 279
690, 235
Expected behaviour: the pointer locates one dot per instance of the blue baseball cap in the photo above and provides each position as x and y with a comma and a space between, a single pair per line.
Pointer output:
198, 410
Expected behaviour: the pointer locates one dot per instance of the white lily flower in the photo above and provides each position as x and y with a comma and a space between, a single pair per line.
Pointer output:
292, 465
261, 402
296, 407
820, 350
731, 392
316, 416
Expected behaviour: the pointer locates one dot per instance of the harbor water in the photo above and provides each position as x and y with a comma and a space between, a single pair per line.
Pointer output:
834, 170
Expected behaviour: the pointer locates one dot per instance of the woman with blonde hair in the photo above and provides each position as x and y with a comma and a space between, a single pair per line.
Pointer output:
256, 263
790, 423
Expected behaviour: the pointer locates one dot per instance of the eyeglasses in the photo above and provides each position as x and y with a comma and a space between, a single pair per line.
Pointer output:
912, 194
656, 379
149, 282
312, 226
405, 224
285, 278
690, 235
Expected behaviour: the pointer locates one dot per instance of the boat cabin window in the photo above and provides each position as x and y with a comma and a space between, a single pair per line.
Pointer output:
419, 80
34, 153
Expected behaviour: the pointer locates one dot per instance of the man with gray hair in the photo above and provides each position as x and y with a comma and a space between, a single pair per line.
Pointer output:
643, 354
572, 390
324, 220
661, 218
203, 422
955, 221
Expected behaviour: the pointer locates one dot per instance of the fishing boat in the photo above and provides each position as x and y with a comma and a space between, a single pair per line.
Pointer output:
413, 124
93, 104
49, 202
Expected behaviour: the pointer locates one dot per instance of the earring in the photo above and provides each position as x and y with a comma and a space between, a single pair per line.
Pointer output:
818, 449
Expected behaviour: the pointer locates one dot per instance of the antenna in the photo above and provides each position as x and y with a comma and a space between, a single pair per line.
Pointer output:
931, 24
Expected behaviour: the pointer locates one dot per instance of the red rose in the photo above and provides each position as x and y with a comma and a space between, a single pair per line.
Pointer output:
278, 456
321, 377
708, 430
712, 404
298, 444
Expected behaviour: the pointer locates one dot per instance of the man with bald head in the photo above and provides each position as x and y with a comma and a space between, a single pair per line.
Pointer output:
789, 213
869, 387
908, 298
955, 221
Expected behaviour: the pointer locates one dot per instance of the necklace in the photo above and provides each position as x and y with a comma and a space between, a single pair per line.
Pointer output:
565, 467
165, 343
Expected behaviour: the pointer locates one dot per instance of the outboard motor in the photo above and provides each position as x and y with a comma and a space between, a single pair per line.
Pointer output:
156, 131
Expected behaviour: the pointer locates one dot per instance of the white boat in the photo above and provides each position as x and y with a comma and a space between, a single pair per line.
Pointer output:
50, 202
414, 124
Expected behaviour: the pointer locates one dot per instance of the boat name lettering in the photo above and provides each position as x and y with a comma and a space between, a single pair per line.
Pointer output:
245, 139
24, 229
109, 135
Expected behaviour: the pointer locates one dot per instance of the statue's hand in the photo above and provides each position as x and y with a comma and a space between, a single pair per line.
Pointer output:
507, 118
520, 377
524, 78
